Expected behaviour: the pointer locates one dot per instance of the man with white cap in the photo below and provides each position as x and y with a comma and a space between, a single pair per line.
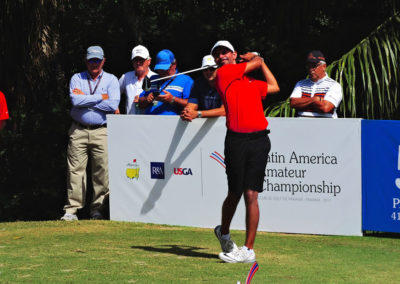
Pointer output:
170, 96
204, 100
246, 143
94, 94
131, 82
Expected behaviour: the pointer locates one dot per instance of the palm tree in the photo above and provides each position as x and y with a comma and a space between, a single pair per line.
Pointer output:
369, 75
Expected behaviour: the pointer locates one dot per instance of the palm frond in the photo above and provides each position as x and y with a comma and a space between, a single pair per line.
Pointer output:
369, 74
280, 109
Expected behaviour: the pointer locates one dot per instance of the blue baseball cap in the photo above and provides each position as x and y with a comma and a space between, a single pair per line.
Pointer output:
94, 52
164, 59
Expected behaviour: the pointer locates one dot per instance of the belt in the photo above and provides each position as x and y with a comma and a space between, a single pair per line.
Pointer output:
93, 126
255, 134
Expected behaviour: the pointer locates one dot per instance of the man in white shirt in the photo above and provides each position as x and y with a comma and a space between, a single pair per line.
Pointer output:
319, 95
131, 82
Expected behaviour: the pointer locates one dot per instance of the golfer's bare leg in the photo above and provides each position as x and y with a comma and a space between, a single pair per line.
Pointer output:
252, 216
228, 210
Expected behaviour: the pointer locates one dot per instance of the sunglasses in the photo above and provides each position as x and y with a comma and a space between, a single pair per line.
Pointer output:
210, 69
95, 60
314, 65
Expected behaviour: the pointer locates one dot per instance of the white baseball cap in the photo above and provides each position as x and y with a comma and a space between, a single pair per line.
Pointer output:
140, 51
223, 43
208, 60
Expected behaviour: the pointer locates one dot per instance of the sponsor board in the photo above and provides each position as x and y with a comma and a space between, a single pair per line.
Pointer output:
312, 181
381, 175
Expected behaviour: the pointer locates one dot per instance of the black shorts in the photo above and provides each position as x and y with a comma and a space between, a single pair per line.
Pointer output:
246, 156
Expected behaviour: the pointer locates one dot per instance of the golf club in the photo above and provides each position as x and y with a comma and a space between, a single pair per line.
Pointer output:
147, 82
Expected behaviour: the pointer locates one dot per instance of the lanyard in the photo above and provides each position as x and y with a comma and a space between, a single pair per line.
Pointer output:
90, 87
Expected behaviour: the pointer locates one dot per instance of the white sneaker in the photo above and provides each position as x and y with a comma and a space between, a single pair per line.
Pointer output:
69, 217
238, 255
226, 245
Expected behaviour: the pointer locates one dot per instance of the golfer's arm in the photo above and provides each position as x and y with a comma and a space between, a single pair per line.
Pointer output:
258, 63
273, 86
253, 64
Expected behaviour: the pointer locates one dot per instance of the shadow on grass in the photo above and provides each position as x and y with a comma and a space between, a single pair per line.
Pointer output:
178, 250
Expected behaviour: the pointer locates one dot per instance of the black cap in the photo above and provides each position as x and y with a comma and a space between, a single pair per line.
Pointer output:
315, 56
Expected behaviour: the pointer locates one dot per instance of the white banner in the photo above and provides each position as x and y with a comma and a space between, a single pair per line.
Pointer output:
166, 171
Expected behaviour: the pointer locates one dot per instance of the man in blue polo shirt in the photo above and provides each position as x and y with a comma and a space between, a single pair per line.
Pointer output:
94, 94
170, 96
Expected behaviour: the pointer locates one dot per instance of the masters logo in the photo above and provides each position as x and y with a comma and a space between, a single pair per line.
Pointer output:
132, 170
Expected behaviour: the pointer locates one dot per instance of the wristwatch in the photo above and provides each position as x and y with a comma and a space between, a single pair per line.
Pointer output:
199, 114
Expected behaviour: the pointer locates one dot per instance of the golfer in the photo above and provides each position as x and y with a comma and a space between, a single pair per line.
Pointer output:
246, 143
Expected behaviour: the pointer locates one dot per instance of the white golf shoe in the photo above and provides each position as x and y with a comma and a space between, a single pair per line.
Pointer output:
238, 255
226, 245
69, 217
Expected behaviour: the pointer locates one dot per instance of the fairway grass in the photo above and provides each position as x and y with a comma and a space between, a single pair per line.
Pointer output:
122, 252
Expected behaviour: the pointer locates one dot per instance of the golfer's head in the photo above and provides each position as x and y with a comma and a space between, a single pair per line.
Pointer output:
224, 53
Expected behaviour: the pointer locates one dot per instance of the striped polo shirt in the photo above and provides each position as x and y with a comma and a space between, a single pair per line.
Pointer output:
326, 88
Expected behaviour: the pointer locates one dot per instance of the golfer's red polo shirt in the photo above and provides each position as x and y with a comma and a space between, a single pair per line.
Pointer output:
3, 107
242, 99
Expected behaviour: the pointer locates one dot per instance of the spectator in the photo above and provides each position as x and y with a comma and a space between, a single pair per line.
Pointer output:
131, 82
3, 111
204, 100
94, 94
318, 96
246, 143
169, 96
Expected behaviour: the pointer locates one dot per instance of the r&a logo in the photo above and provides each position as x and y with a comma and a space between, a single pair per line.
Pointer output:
157, 170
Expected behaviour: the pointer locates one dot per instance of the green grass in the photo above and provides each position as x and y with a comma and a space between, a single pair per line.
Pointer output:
121, 252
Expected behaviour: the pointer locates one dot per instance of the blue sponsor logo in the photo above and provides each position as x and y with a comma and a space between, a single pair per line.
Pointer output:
157, 170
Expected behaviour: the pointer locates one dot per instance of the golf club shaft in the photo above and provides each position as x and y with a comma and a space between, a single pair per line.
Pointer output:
186, 72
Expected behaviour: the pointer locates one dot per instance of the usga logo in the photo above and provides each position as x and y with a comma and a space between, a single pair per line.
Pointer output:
183, 171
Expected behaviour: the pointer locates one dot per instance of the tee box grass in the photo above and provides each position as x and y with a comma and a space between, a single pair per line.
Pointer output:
122, 252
